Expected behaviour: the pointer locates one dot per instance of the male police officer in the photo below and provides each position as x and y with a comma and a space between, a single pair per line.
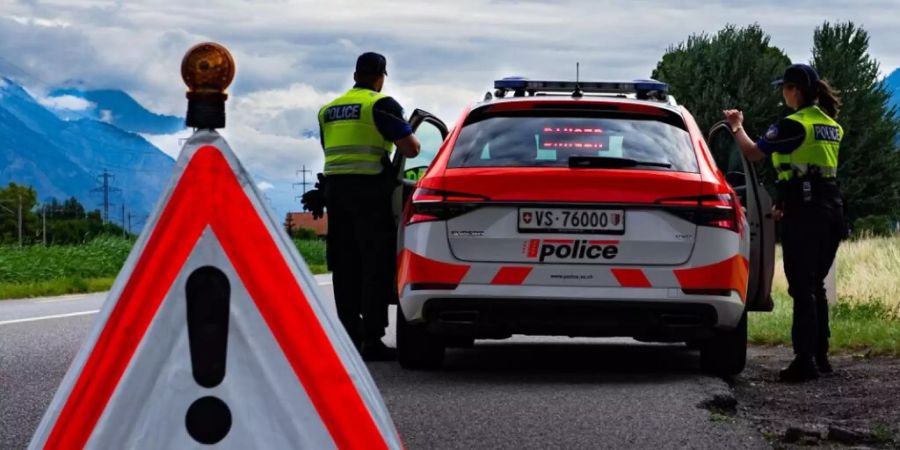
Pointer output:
359, 130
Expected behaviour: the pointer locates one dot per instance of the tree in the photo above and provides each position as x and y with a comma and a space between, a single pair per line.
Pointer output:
10, 198
869, 169
732, 69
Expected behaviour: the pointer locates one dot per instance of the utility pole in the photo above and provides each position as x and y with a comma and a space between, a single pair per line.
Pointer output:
20, 220
302, 172
44, 222
124, 234
105, 188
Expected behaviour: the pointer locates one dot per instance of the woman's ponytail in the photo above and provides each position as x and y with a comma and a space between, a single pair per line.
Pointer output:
828, 98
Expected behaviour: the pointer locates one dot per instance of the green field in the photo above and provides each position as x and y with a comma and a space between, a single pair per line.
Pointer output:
38, 271
866, 318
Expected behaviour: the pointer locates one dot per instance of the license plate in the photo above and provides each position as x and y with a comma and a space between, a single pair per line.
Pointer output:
572, 220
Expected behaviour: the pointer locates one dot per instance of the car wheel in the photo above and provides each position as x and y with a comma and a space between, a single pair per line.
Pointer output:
416, 347
726, 353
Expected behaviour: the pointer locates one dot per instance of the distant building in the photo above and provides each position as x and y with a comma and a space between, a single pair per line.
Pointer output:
299, 220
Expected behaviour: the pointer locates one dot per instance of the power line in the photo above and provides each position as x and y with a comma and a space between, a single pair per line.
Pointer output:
302, 172
105, 189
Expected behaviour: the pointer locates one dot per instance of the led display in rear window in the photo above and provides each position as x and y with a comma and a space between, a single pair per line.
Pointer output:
527, 141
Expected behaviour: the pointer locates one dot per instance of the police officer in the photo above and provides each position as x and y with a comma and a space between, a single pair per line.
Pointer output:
803, 148
359, 131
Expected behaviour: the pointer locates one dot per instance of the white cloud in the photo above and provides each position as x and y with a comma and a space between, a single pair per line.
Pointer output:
106, 116
66, 102
170, 144
295, 55
47, 23
264, 185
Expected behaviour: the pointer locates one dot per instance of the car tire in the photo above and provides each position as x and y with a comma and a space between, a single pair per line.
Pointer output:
417, 349
725, 354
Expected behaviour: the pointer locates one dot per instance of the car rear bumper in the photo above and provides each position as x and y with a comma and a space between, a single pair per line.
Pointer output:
653, 314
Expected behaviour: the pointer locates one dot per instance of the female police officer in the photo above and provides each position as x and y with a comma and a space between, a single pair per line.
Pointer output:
804, 151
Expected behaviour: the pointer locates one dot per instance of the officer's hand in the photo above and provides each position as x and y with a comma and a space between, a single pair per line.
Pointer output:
777, 214
734, 117
314, 201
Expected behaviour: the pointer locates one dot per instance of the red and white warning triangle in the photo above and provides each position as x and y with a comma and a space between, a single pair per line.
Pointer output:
215, 332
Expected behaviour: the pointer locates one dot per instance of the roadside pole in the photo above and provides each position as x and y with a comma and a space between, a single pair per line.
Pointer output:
20, 220
831, 283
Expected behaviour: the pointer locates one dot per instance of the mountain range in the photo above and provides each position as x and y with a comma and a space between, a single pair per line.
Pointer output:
892, 82
118, 109
64, 152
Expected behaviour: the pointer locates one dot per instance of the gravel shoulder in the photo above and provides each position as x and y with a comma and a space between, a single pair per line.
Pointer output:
857, 406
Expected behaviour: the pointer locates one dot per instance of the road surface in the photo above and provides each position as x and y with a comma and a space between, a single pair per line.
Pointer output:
521, 393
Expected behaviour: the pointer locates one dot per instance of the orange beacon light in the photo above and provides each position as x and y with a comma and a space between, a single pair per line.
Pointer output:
207, 69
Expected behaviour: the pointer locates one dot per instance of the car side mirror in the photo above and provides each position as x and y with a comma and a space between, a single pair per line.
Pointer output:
736, 179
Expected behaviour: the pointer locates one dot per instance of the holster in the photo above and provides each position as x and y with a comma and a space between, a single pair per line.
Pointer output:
809, 191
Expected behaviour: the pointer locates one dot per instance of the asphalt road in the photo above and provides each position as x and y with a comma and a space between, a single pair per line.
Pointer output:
520, 393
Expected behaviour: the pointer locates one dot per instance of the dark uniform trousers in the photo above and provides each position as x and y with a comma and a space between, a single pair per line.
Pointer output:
811, 234
361, 252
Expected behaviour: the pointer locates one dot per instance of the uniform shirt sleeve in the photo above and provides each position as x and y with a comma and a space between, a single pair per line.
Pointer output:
389, 120
783, 137
321, 131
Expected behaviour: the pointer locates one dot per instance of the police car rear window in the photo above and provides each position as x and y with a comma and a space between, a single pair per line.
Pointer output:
537, 139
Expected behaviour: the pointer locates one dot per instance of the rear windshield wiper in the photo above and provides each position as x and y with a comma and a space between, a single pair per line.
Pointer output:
588, 162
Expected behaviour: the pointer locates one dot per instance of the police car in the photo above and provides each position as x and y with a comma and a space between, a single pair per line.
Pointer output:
580, 209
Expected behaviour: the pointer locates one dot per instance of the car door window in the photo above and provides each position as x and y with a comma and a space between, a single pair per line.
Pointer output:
741, 175
430, 137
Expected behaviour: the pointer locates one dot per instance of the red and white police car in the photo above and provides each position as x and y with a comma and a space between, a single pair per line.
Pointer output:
580, 209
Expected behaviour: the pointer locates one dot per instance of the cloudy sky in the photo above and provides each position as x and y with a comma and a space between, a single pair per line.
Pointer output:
294, 55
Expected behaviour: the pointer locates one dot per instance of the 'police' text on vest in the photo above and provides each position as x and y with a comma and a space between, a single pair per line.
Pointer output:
827, 133
342, 112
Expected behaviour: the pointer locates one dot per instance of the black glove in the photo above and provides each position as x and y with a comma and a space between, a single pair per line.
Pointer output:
314, 200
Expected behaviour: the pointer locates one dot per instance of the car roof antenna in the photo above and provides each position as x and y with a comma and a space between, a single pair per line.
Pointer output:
578, 93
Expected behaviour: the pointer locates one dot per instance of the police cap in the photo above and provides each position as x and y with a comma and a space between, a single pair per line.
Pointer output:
801, 75
371, 63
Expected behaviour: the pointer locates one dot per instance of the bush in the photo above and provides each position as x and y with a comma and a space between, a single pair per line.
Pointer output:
876, 226
304, 234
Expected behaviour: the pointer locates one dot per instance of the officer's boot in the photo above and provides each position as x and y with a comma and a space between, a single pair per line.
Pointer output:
822, 363
801, 369
374, 350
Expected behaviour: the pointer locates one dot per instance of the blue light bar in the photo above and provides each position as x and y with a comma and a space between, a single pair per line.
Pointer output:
641, 88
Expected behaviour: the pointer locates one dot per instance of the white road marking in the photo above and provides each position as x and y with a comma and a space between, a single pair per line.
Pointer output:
81, 313
55, 316
65, 298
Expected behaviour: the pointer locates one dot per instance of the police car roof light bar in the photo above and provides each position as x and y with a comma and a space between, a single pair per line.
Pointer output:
643, 89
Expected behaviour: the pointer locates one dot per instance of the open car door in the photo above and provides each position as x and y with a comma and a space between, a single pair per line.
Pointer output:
431, 133
757, 203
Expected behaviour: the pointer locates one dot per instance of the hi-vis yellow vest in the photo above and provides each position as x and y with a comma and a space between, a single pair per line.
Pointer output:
353, 145
818, 154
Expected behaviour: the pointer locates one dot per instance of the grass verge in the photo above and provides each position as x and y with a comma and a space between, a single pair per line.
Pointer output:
49, 288
39, 271
866, 318
866, 328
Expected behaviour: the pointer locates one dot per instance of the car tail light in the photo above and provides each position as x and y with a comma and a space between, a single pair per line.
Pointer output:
718, 210
429, 204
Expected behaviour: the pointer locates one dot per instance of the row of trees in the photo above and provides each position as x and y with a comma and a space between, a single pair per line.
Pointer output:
65, 222
734, 69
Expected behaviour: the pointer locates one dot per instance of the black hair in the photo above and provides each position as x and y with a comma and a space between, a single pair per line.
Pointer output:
823, 94
367, 78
